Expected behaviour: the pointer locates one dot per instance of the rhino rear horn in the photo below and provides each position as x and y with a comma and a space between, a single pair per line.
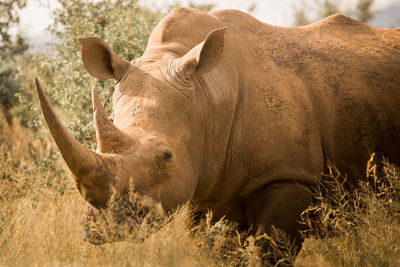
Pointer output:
109, 137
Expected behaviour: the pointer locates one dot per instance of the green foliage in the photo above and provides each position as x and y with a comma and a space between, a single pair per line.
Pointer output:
9, 87
364, 12
9, 44
330, 7
300, 16
123, 24
205, 7
202, 7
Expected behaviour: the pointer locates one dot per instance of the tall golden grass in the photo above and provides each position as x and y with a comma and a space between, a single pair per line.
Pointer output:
41, 210
40, 214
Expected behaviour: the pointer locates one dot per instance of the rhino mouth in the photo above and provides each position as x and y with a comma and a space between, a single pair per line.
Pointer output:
124, 219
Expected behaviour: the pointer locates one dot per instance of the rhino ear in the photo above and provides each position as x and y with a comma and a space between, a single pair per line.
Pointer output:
100, 61
205, 56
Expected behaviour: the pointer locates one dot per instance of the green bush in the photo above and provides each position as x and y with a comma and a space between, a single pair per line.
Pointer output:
9, 87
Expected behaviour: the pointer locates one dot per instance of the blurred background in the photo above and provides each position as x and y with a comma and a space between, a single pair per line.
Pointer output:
36, 15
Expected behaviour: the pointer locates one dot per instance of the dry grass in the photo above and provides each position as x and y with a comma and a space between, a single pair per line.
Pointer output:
40, 220
357, 226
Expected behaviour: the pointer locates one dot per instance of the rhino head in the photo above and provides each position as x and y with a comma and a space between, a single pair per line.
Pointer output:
155, 140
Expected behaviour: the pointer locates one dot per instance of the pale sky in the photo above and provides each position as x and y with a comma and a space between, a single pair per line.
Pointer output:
35, 18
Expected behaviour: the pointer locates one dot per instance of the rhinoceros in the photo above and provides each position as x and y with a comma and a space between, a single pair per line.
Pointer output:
238, 116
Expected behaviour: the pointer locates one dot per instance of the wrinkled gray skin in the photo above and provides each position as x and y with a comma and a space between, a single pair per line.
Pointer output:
241, 117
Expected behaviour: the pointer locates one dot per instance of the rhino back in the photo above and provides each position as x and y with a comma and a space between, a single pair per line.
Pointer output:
355, 76
336, 81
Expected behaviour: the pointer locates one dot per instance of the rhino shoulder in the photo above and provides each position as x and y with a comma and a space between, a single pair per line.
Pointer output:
341, 20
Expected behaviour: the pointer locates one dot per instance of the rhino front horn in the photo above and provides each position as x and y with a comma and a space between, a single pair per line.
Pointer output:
92, 172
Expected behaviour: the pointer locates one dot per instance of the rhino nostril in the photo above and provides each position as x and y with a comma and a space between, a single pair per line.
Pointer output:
167, 155
163, 158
